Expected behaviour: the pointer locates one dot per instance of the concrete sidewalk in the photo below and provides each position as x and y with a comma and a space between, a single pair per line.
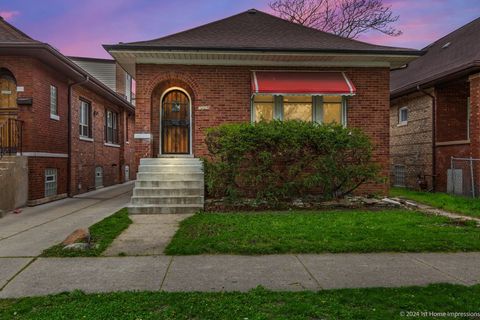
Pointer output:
36, 228
44, 276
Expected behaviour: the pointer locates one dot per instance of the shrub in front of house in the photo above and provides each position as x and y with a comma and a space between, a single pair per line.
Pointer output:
285, 160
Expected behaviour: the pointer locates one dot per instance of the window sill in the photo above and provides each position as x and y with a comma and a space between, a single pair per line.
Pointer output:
113, 145
402, 124
87, 139
55, 117
452, 143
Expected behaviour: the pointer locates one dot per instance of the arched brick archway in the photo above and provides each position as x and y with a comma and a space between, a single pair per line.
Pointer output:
165, 79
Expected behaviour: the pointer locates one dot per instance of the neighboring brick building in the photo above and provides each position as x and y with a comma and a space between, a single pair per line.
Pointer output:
251, 66
434, 115
44, 91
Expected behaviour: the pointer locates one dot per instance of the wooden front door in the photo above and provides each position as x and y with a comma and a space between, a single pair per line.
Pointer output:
8, 110
8, 98
175, 123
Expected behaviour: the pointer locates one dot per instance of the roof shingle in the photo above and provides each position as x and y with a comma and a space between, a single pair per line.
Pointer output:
452, 53
256, 30
10, 34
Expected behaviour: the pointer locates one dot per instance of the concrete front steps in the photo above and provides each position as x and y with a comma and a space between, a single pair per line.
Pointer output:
168, 185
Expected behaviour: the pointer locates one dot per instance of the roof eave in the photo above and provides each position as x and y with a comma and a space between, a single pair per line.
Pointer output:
77, 73
438, 78
120, 47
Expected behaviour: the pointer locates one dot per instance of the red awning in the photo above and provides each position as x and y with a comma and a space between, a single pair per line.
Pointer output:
301, 82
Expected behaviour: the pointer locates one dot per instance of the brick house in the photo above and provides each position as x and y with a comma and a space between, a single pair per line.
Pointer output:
71, 130
244, 68
434, 115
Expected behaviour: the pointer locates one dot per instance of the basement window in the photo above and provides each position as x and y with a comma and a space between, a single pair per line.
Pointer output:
399, 175
50, 182
403, 116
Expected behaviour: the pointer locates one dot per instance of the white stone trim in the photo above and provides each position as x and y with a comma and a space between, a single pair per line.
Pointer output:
86, 139
225, 62
452, 143
113, 145
474, 76
145, 136
43, 155
54, 117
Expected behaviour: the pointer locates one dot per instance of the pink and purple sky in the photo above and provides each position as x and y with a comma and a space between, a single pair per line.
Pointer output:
80, 27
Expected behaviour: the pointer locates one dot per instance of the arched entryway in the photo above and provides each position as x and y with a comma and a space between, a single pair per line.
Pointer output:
10, 133
175, 122
8, 95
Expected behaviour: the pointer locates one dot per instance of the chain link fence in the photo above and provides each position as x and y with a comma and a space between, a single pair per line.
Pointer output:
462, 177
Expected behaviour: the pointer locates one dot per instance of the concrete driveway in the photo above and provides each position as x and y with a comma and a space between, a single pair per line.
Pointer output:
28, 233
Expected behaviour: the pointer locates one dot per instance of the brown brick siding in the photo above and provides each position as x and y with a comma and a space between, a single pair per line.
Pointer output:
411, 144
227, 91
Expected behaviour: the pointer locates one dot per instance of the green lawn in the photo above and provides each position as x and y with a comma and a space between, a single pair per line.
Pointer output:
375, 304
453, 203
103, 233
317, 232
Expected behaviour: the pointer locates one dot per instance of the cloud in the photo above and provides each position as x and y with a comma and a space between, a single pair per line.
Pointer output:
8, 15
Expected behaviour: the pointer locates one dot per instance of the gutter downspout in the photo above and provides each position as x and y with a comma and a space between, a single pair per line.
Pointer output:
434, 137
69, 133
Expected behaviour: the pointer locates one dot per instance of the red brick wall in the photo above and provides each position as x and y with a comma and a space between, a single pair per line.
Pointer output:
36, 176
452, 118
475, 115
129, 146
45, 135
474, 82
87, 155
452, 114
40, 133
226, 90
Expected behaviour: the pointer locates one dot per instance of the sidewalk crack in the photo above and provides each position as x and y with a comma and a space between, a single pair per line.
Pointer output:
438, 269
308, 271
166, 272
18, 272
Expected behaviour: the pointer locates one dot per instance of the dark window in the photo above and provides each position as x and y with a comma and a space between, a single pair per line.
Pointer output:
53, 101
403, 115
111, 127
399, 175
85, 119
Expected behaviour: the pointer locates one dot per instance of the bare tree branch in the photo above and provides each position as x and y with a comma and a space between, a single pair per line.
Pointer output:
346, 18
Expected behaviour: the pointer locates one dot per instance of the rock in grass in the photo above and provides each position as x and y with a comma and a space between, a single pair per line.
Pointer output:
79, 235
81, 246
